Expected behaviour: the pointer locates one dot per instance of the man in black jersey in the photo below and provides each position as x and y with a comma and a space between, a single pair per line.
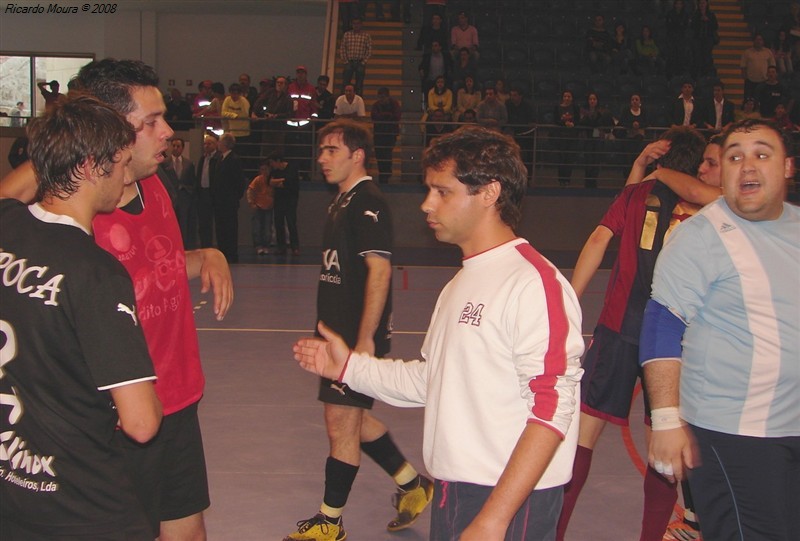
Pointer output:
74, 362
354, 298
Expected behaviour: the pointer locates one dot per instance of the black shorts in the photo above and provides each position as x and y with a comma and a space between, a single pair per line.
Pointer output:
169, 471
611, 368
334, 392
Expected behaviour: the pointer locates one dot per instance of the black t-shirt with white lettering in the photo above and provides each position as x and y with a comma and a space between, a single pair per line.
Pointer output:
68, 334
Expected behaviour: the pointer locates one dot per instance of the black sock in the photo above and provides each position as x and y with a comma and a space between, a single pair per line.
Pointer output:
339, 477
385, 453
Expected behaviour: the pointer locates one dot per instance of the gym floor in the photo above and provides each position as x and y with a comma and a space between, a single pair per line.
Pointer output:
264, 434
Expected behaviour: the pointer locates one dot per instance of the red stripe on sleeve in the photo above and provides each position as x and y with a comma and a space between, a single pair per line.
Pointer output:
555, 358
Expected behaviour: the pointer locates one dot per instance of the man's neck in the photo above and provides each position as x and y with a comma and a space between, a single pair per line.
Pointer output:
351, 181
72, 207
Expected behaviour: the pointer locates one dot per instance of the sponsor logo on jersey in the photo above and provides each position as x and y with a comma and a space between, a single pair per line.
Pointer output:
19, 274
372, 214
725, 227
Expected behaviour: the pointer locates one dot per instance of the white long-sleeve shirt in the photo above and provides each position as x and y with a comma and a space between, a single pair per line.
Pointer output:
503, 349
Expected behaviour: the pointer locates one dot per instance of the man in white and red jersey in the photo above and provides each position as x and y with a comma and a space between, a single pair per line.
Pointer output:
169, 472
501, 369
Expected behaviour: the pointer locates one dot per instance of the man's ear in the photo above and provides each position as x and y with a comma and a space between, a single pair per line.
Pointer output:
788, 168
89, 171
491, 192
360, 155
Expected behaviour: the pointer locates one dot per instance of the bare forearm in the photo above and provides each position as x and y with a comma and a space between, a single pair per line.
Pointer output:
20, 184
528, 462
662, 378
376, 291
688, 187
590, 258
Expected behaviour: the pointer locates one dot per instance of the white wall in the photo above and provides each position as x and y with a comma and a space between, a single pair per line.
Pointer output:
183, 40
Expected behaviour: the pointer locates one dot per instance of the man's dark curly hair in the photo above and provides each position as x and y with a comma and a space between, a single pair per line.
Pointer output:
480, 156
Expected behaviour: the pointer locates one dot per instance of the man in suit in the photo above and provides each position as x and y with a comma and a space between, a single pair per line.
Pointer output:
684, 111
716, 113
205, 210
227, 188
180, 174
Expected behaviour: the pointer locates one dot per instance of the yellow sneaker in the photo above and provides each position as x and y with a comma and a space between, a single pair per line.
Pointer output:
410, 504
318, 528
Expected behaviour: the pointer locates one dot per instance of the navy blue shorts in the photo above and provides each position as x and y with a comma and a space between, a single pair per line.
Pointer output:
611, 369
455, 505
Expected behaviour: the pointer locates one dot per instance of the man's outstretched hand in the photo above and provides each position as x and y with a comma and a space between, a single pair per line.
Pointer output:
326, 356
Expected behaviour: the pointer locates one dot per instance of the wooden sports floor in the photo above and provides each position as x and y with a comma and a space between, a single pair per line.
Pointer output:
263, 430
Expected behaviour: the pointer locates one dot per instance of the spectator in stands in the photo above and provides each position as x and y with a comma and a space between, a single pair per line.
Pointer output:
705, 34
677, 53
276, 110
284, 179
180, 173
621, 49
248, 91
436, 126
781, 49
464, 35
261, 199
467, 97
754, 64
750, 109
630, 131
771, 92
385, 113
236, 109
648, 55
355, 51
303, 95
435, 31
566, 115
325, 99
491, 113
435, 64
520, 120
782, 118
203, 98
632, 120
298, 136
437, 7
213, 113
349, 104
597, 123
179, 112
441, 97
598, 45
469, 117
500, 91
716, 113
465, 66
684, 112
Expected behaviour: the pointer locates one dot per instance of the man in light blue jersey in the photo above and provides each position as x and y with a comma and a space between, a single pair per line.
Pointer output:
722, 331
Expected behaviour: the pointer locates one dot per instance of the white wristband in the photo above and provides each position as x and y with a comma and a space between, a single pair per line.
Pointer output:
665, 419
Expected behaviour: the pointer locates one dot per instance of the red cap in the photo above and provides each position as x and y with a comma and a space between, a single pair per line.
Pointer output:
299, 68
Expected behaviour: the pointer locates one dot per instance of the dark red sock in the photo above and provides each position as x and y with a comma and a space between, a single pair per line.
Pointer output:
580, 471
659, 501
